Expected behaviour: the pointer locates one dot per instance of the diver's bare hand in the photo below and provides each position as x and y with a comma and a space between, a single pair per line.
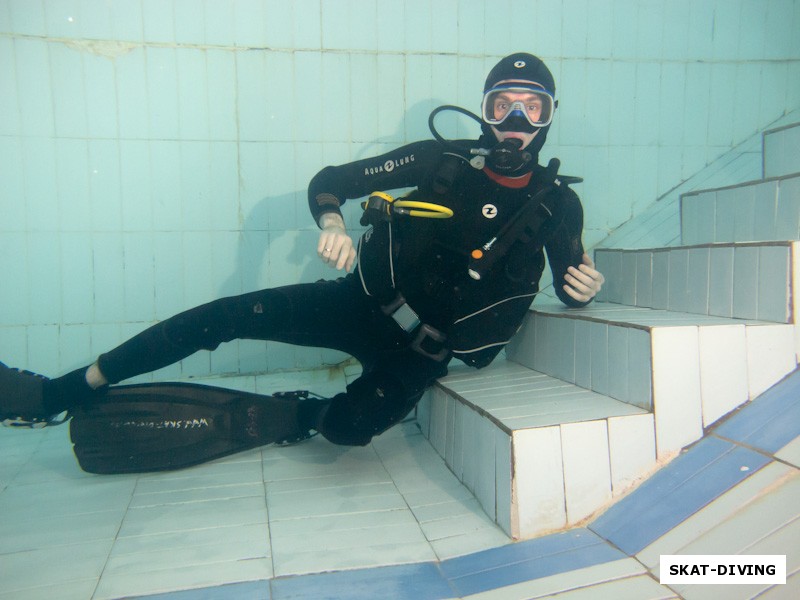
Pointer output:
585, 282
335, 247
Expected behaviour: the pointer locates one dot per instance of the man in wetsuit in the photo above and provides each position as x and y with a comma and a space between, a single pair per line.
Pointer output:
424, 290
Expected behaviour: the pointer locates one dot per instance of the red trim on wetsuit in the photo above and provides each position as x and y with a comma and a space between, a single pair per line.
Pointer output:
509, 182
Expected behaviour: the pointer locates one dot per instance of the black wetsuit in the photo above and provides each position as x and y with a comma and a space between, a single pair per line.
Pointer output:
426, 260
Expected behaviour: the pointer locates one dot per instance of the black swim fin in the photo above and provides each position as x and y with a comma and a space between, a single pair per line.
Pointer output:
166, 426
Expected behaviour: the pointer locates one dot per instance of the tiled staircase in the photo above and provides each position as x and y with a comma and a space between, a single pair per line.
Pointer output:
589, 402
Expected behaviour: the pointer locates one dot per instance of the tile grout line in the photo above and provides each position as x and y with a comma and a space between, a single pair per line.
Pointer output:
116, 538
405, 500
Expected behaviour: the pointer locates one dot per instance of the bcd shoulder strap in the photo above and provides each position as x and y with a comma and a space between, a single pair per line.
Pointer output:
526, 224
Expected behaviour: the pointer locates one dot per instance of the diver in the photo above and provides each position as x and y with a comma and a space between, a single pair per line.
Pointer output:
417, 292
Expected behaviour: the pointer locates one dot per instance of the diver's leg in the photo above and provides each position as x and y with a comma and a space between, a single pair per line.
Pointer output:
379, 398
327, 314
324, 314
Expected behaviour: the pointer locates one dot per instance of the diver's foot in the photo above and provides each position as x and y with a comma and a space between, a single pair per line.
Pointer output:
22, 400
305, 401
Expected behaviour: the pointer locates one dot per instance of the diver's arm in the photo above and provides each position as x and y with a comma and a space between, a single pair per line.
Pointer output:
401, 168
575, 280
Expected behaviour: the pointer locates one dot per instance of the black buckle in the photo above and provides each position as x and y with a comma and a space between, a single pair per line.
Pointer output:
424, 333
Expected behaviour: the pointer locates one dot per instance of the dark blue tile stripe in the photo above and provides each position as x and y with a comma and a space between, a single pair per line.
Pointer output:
421, 581
536, 568
535, 549
662, 484
769, 422
655, 516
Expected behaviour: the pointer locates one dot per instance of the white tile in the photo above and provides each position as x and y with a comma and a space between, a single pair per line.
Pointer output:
679, 280
741, 202
774, 284
47, 532
632, 450
438, 427
698, 281
720, 301
628, 281
784, 159
723, 370
541, 359
604, 261
583, 354
564, 350
618, 368
335, 501
469, 449
63, 564
168, 580
788, 210
72, 590
690, 225
599, 347
745, 278
503, 475
460, 440
196, 515
676, 388
476, 540
724, 225
783, 592
440, 511
485, 481
644, 278
200, 494
447, 493
770, 356
587, 471
363, 533
221, 550
538, 484
707, 217
661, 275
357, 557
790, 452
766, 203
458, 523
641, 587
640, 369
75, 497
450, 431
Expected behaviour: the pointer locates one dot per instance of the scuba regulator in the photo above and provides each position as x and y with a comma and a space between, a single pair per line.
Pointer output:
504, 158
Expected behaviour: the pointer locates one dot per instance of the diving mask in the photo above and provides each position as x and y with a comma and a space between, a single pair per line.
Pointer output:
512, 101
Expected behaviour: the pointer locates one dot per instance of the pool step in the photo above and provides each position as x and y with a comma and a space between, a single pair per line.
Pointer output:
539, 454
689, 369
